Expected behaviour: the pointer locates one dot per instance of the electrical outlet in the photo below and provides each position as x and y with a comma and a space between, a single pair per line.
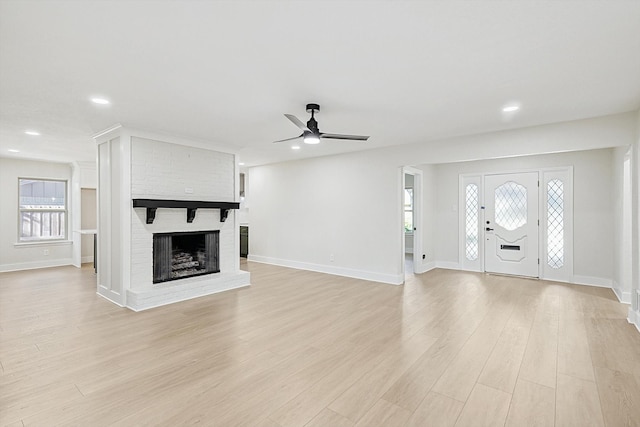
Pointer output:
46, 252
331, 258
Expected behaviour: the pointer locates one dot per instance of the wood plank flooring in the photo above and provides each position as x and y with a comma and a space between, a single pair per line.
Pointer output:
301, 348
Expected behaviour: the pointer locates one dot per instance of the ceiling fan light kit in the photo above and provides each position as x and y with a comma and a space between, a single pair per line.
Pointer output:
311, 138
311, 133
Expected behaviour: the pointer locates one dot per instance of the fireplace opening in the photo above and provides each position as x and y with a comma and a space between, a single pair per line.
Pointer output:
188, 254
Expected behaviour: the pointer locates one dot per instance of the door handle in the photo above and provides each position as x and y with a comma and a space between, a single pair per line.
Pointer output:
489, 229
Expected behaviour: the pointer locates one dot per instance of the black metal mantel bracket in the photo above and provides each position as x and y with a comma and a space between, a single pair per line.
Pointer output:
191, 214
190, 205
151, 215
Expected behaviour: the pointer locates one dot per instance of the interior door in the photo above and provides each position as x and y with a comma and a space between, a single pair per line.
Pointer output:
511, 224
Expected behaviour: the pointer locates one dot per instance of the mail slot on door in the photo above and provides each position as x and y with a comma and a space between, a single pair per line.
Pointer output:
510, 247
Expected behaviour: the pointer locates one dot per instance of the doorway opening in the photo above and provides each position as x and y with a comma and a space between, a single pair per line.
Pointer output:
411, 201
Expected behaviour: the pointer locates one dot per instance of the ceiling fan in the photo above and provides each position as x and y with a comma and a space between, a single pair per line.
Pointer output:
310, 132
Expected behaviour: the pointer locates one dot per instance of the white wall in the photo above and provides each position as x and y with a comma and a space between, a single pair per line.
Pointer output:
25, 256
593, 211
304, 211
600, 132
88, 174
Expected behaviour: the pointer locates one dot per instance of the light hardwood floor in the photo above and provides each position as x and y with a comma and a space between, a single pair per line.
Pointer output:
307, 349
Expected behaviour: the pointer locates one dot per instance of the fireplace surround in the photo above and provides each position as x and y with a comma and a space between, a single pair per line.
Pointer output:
174, 187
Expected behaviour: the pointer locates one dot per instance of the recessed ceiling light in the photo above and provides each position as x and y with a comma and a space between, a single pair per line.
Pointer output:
241, 163
32, 132
100, 101
11, 150
295, 147
510, 108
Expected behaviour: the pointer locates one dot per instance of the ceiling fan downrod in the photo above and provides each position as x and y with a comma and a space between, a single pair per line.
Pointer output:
312, 124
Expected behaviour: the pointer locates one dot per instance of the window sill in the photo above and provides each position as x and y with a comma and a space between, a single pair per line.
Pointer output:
42, 243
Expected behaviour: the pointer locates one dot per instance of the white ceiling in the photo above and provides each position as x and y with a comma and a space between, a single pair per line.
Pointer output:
402, 72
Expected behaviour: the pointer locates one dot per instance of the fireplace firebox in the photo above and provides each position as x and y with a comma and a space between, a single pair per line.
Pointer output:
186, 254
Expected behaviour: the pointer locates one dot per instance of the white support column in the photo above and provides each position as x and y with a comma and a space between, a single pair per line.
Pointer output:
111, 174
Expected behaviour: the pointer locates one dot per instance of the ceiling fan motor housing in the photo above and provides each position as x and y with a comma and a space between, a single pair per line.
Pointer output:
312, 124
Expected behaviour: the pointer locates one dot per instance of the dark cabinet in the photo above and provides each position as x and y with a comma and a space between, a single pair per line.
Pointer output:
244, 241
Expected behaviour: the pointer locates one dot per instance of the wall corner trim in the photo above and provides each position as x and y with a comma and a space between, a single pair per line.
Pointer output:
109, 299
623, 297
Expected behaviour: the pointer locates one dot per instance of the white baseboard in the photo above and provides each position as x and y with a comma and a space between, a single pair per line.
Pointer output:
86, 259
35, 264
599, 282
423, 268
634, 318
397, 280
448, 265
391, 279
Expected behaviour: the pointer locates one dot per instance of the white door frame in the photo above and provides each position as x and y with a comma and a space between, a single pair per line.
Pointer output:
623, 289
565, 274
417, 218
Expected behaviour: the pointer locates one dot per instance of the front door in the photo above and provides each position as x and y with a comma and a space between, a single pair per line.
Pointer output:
511, 224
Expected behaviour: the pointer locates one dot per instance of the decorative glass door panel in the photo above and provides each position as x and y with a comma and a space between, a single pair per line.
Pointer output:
511, 224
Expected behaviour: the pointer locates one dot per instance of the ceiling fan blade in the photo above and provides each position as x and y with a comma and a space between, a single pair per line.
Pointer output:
288, 139
297, 122
339, 136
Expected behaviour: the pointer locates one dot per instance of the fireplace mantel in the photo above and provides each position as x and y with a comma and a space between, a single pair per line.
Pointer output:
190, 205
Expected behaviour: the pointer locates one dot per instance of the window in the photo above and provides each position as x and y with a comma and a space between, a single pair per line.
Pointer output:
555, 224
511, 206
471, 222
408, 210
43, 209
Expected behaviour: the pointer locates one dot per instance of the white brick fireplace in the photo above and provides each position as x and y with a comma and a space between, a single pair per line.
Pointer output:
138, 165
